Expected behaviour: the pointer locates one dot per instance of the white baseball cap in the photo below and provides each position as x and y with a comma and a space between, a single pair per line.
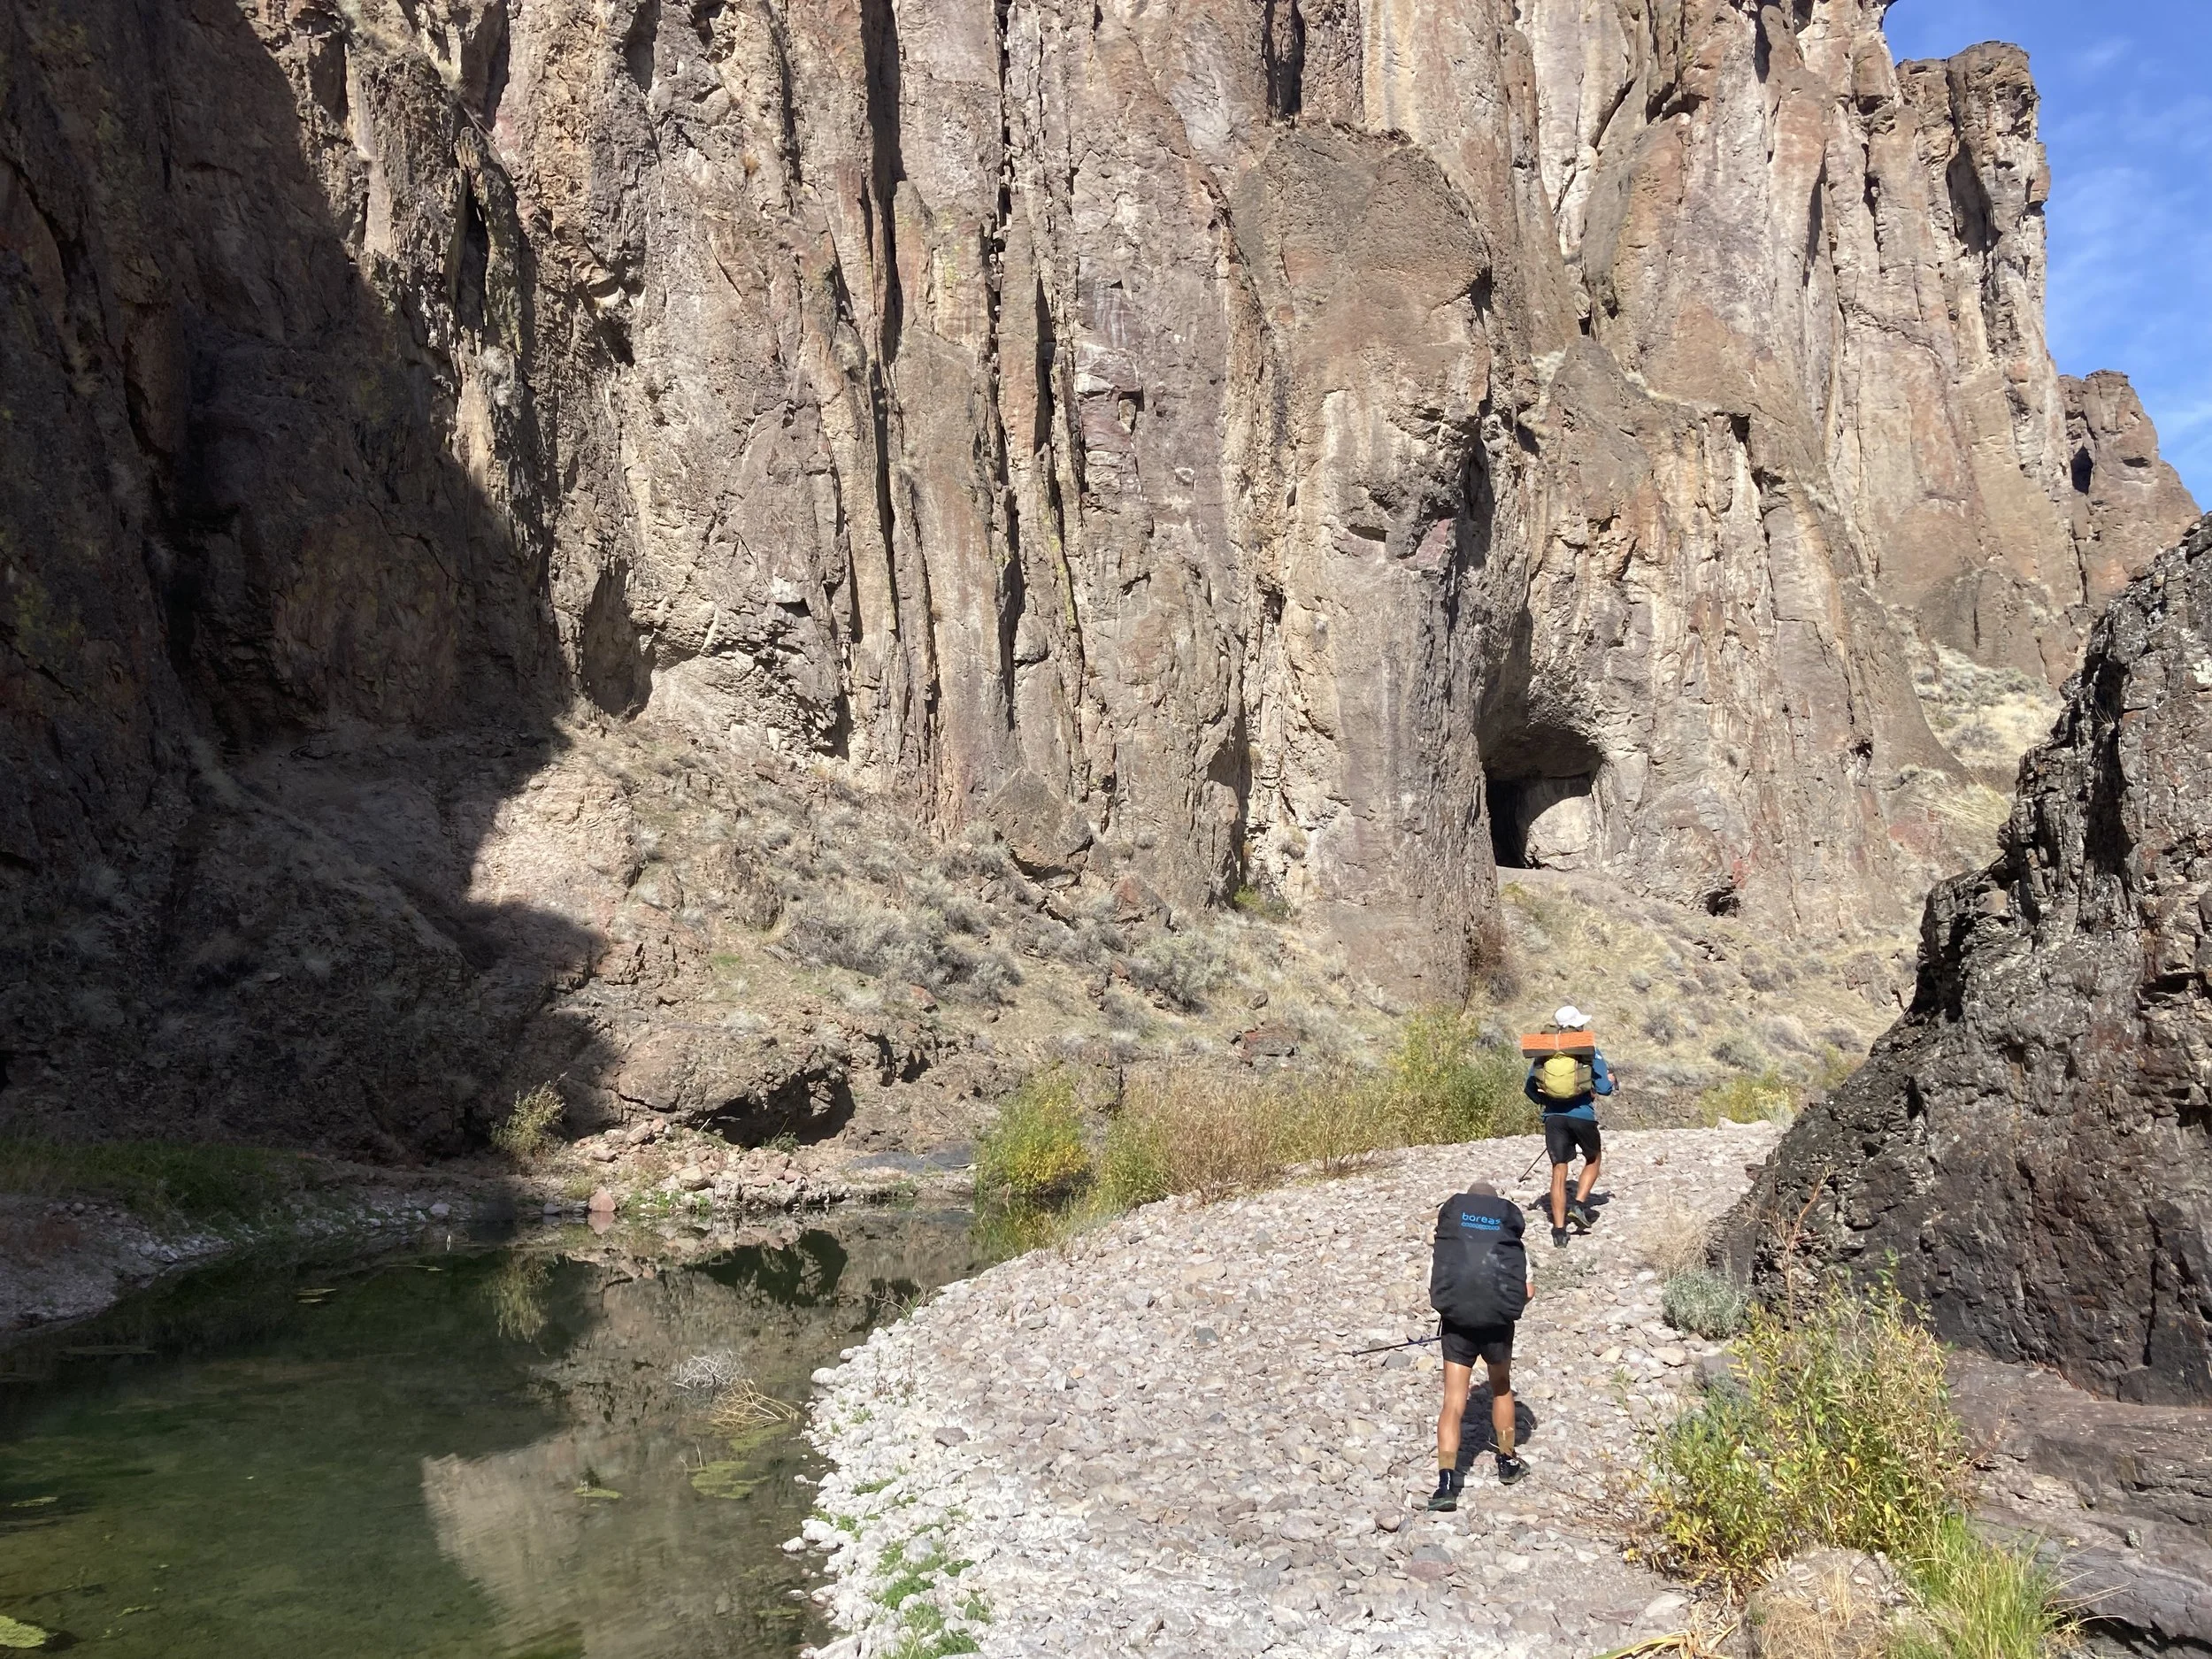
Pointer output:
1570, 1018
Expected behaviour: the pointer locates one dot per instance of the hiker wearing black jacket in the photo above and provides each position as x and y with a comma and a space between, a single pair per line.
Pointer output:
1480, 1284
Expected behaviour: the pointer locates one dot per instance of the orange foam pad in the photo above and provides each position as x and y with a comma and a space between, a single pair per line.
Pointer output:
1549, 1042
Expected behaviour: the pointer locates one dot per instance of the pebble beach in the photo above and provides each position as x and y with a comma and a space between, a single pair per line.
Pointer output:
1158, 1437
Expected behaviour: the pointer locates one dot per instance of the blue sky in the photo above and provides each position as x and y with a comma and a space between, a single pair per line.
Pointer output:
2127, 117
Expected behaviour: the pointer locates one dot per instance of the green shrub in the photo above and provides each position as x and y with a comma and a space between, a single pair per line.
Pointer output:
1704, 1304
1036, 1155
1840, 1434
161, 1180
1191, 1130
1748, 1098
1984, 1601
1267, 906
527, 1129
1132, 1168
1451, 1086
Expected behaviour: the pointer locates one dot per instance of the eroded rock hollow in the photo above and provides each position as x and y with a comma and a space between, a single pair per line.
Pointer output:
1323, 446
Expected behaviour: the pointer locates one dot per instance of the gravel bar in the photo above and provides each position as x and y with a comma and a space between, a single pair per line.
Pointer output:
1156, 1438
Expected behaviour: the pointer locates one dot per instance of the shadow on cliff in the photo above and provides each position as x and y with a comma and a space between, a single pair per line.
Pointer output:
289, 661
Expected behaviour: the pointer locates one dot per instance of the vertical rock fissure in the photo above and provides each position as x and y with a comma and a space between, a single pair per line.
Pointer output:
786, 99
1283, 48
1013, 586
879, 53
639, 44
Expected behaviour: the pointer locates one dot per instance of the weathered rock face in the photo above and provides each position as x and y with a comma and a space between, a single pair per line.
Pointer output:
2033, 1141
1323, 445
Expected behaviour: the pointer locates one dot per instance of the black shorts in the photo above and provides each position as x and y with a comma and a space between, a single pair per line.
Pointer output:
1563, 1134
1464, 1344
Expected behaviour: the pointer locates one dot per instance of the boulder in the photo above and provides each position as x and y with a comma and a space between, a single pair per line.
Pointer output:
2030, 1146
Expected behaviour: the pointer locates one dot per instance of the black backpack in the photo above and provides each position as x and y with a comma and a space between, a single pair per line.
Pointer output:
1481, 1272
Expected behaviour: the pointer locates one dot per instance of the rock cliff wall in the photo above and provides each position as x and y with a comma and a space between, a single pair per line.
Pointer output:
1319, 445
2033, 1142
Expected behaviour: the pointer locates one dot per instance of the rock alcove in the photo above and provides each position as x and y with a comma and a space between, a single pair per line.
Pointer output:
1541, 788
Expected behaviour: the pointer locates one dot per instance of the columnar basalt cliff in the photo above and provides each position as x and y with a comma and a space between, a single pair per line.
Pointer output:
1321, 445
2031, 1146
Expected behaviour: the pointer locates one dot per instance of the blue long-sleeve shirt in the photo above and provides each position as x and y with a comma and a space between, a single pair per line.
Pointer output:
1600, 1083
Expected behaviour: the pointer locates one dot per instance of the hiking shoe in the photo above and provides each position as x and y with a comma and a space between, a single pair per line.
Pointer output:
1446, 1497
1579, 1214
1559, 1237
1509, 1470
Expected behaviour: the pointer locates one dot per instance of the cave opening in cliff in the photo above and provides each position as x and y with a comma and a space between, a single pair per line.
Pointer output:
1538, 788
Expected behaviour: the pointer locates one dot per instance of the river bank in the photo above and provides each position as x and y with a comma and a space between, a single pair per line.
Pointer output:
1157, 1438
68, 1257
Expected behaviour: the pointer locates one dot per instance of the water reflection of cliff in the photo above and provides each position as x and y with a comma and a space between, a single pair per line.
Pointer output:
668, 1569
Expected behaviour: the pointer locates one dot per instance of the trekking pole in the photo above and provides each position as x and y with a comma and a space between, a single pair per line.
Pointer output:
1411, 1341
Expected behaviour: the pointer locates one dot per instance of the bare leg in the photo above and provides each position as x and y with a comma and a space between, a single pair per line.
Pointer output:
1457, 1380
1502, 1406
1558, 1194
1589, 1178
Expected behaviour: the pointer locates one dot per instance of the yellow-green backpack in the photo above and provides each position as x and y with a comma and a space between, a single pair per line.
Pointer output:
1562, 1077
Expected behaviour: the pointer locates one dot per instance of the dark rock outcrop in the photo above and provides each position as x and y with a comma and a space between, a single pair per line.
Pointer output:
2121, 1493
2033, 1142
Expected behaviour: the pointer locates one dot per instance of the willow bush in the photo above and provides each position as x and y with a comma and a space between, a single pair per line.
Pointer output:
1836, 1432
1036, 1155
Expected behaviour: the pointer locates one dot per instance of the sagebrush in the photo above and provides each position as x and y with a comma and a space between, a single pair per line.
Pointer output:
1704, 1304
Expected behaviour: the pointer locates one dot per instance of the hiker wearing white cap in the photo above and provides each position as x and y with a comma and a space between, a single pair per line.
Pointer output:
1565, 1088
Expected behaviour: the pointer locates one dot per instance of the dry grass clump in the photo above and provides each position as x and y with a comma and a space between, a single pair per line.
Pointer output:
1183, 1129
1679, 1238
743, 1409
1186, 1132
1831, 1614
527, 1130
715, 1369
